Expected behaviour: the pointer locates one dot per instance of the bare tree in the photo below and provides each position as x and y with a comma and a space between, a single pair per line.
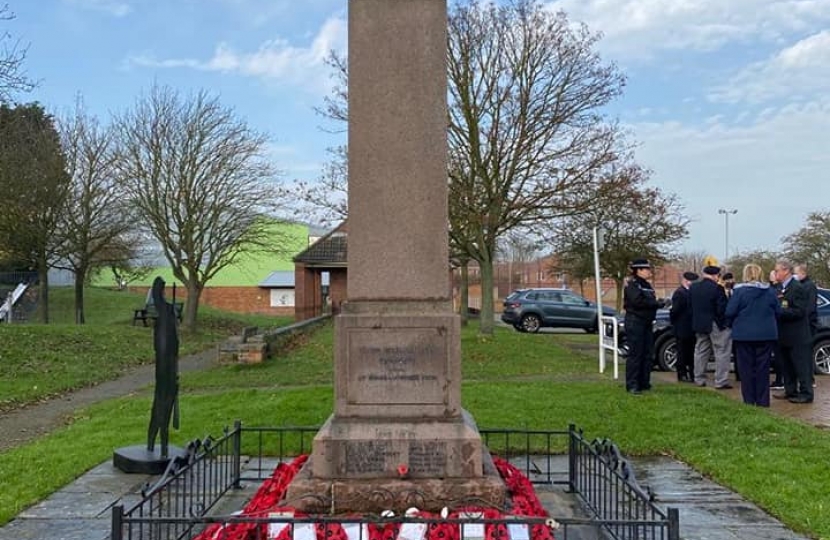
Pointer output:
642, 222
201, 184
762, 257
811, 245
690, 261
526, 134
526, 91
34, 185
98, 213
12, 54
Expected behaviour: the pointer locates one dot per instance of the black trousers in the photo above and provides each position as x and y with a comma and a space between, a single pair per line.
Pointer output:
685, 358
797, 368
640, 338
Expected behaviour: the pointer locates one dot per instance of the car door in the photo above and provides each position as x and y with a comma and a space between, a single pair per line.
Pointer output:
579, 313
554, 311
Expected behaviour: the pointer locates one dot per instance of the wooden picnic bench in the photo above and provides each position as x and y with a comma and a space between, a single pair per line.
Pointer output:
149, 312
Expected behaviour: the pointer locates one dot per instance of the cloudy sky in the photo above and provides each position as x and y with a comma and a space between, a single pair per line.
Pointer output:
729, 100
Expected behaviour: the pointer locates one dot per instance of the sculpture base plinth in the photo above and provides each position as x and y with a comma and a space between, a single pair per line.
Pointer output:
138, 460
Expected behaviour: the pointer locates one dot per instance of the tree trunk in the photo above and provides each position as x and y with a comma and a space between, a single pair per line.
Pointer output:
619, 284
43, 292
464, 293
80, 278
487, 316
191, 306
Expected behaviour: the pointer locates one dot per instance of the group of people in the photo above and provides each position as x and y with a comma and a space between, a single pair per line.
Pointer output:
756, 321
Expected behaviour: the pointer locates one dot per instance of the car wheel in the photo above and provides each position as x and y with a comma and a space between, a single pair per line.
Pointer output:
519, 328
821, 357
531, 323
667, 354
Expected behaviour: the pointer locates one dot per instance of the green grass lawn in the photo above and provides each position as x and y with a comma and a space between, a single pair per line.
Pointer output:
38, 361
511, 380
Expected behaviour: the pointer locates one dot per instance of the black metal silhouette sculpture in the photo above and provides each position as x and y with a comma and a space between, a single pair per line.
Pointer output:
147, 459
166, 344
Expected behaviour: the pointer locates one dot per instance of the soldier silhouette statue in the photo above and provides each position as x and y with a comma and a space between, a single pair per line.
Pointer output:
147, 459
166, 344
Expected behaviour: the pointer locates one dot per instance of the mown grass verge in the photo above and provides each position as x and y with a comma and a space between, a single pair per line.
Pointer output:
41, 361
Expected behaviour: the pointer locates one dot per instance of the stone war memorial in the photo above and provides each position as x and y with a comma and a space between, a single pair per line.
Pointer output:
398, 426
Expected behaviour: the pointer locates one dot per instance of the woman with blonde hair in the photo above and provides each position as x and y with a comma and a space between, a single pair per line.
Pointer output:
752, 313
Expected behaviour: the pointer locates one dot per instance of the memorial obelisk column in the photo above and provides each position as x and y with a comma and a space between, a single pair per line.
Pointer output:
397, 350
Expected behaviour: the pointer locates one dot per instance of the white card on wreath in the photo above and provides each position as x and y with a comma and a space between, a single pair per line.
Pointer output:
305, 531
356, 531
274, 529
518, 531
412, 531
471, 531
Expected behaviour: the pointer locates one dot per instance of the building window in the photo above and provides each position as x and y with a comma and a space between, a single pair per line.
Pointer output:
282, 298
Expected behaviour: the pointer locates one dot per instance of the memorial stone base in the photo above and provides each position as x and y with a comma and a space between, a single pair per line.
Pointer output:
371, 466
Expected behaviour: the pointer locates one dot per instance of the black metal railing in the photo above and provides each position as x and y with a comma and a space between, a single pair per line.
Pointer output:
188, 489
179, 505
605, 481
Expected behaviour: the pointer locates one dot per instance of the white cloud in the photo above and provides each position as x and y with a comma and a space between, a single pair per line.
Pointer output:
795, 73
275, 60
116, 8
641, 28
771, 169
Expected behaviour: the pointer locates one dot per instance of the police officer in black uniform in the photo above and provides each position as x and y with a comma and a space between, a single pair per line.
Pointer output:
641, 305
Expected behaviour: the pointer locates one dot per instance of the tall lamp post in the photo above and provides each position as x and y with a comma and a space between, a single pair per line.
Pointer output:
726, 212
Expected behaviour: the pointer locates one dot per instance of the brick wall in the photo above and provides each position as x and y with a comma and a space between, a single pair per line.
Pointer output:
235, 299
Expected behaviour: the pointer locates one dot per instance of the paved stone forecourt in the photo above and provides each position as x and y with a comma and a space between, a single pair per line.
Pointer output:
82, 510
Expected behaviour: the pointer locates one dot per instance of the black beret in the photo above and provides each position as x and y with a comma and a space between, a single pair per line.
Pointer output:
691, 276
640, 263
712, 270
728, 275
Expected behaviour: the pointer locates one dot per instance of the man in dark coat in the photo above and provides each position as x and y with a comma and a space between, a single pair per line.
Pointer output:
640, 304
800, 273
794, 338
712, 336
680, 316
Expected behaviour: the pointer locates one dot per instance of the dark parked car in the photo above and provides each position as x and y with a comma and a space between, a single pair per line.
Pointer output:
528, 310
665, 348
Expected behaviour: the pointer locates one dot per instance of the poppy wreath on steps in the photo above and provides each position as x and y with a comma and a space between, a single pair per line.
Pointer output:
265, 502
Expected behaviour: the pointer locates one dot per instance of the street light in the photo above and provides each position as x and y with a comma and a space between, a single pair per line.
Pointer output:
726, 213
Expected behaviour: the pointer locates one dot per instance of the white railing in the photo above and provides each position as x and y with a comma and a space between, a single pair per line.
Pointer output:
11, 300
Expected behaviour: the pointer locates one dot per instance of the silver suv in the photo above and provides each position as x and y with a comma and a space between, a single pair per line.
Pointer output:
528, 310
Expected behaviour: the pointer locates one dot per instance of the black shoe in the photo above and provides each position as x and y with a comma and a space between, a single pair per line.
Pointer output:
783, 396
726, 386
634, 392
800, 399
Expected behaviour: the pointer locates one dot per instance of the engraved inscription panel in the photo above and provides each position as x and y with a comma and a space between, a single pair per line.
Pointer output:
428, 458
397, 366
370, 457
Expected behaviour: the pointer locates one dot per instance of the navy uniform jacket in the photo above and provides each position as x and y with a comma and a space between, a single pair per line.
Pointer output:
708, 301
680, 314
640, 300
